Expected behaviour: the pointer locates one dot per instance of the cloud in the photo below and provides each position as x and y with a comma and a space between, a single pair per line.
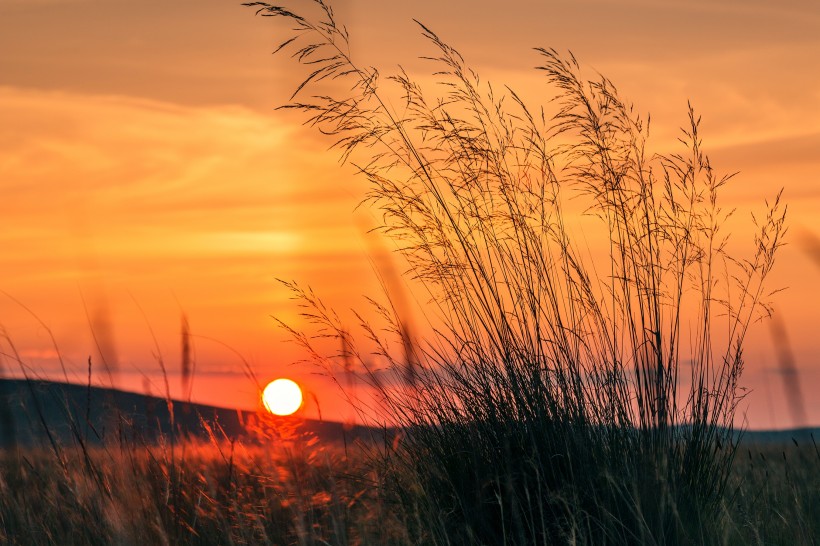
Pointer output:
41, 3
142, 199
131, 168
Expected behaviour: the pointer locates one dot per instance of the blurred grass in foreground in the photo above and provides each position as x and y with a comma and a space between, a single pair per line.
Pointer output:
308, 493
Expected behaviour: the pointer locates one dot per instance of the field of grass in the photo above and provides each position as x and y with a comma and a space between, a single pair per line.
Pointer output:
192, 494
777, 499
303, 492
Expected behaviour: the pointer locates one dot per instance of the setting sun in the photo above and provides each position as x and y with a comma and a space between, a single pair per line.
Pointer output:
282, 397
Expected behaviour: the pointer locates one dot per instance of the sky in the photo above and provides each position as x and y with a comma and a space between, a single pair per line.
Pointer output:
146, 173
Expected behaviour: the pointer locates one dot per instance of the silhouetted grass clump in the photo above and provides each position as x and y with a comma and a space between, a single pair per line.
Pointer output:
563, 395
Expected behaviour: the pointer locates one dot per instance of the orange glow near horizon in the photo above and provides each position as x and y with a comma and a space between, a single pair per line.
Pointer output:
146, 173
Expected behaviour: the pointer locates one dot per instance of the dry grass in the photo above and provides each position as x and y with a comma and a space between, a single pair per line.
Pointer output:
284, 492
777, 498
223, 493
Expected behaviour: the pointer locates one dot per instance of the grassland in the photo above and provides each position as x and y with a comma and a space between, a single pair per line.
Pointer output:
304, 492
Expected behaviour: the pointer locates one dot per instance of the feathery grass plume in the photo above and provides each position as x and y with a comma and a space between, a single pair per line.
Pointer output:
187, 363
554, 401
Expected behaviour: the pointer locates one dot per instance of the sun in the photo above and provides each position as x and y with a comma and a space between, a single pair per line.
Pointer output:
282, 397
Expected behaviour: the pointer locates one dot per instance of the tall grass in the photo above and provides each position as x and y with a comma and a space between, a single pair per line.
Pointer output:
561, 396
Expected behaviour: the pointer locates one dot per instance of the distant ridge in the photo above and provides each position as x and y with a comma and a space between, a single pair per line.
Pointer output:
33, 412
800, 435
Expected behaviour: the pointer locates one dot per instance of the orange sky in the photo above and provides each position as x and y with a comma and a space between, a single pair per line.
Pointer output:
144, 171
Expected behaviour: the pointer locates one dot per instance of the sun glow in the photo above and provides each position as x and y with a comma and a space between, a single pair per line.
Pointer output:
282, 397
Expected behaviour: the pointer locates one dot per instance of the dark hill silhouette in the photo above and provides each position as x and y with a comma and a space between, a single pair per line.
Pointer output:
33, 412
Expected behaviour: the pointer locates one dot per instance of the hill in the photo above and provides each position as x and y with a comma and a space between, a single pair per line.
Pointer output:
33, 412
